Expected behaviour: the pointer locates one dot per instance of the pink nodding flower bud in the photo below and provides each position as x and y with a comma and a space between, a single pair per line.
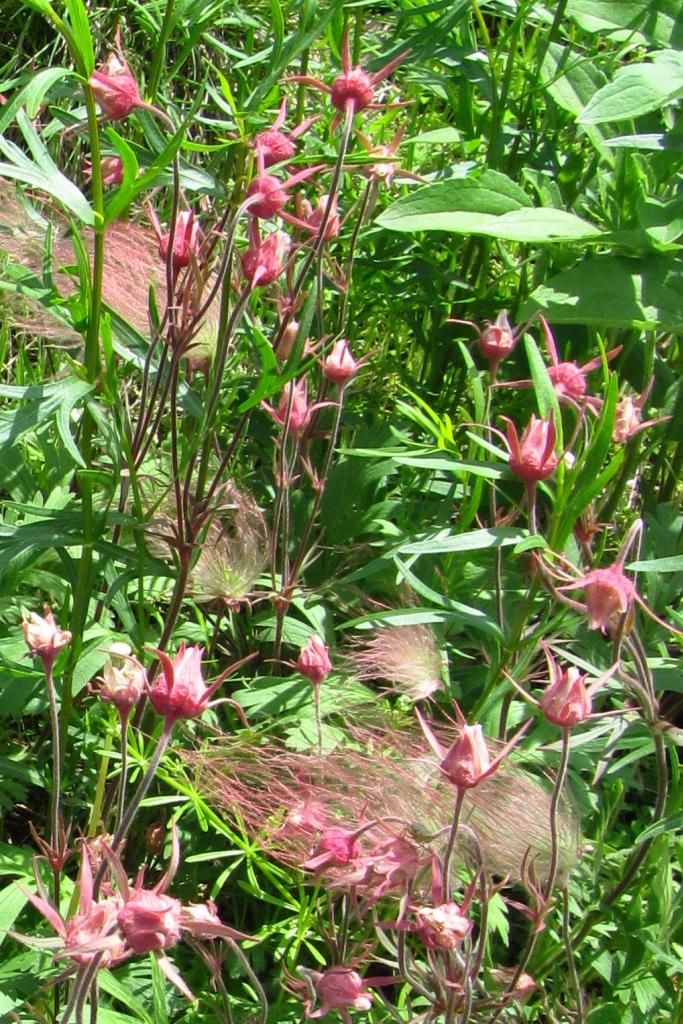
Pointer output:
565, 702
340, 366
271, 196
180, 691
339, 988
185, 241
263, 262
467, 762
533, 458
43, 636
335, 848
443, 927
608, 592
293, 409
150, 920
497, 340
314, 661
112, 170
123, 686
354, 86
115, 88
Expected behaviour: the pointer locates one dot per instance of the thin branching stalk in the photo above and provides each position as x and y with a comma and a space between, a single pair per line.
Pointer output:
554, 807
453, 834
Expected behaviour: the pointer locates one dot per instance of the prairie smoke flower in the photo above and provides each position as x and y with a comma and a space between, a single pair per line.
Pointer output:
467, 762
608, 592
340, 366
115, 88
87, 933
566, 701
336, 848
314, 661
185, 238
293, 411
124, 684
533, 458
180, 691
338, 988
273, 146
442, 927
497, 340
112, 170
628, 420
354, 88
406, 656
268, 194
44, 637
310, 219
569, 380
264, 261
234, 552
150, 920
387, 166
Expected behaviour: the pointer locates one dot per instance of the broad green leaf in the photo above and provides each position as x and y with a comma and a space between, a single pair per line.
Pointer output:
672, 143
473, 540
41, 172
612, 291
488, 203
674, 563
12, 901
570, 79
636, 89
643, 21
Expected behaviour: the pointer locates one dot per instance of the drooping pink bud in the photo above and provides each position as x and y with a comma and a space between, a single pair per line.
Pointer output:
565, 702
149, 920
467, 761
185, 241
115, 88
112, 170
43, 636
269, 196
340, 366
608, 592
443, 927
180, 691
264, 261
293, 409
533, 458
339, 988
335, 848
123, 685
497, 339
314, 661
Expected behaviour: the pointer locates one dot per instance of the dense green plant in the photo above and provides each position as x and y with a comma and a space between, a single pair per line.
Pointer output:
371, 399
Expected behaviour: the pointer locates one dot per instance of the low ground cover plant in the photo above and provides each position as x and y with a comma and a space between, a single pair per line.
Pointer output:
341, 541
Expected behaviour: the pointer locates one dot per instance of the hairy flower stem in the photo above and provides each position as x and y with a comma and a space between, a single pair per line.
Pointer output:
554, 805
55, 795
134, 805
320, 240
448, 856
571, 960
344, 300
123, 781
318, 719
